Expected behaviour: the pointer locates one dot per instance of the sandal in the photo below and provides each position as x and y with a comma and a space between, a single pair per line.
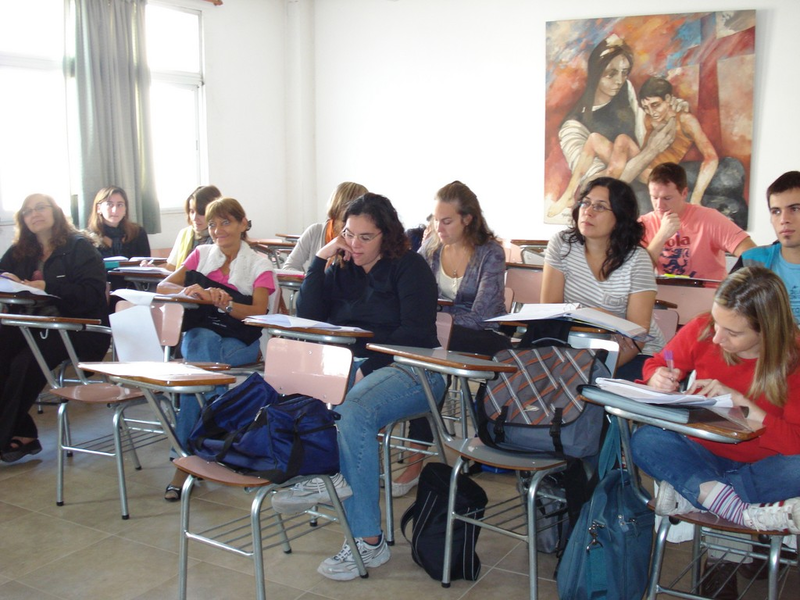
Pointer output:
17, 450
172, 493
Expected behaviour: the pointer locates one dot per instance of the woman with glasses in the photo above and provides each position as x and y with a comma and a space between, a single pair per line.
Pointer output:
319, 234
376, 283
47, 254
116, 234
238, 282
599, 263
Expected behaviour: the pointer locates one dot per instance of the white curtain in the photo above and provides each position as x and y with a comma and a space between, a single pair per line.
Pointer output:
108, 85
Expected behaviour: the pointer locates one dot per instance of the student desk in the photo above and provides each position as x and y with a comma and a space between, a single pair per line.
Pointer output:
291, 281
312, 334
151, 377
142, 280
289, 237
25, 299
274, 249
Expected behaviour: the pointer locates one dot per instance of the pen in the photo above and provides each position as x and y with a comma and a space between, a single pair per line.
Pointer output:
669, 358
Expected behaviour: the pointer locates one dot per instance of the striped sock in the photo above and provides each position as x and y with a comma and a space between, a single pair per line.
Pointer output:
725, 502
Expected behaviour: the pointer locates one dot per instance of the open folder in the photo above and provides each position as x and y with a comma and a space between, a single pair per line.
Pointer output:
590, 316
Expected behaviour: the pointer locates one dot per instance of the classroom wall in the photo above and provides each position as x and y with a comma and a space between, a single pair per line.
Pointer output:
411, 94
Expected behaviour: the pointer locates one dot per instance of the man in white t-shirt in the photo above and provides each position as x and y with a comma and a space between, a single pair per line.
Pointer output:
783, 256
687, 239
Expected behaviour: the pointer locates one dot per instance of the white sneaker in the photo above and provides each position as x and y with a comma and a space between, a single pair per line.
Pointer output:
307, 494
774, 516
342, 567
670, 502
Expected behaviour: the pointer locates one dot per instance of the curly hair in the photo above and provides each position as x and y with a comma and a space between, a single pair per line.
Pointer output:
26, 244
627, 233
95, 225
759, 295
476, 232
379, 209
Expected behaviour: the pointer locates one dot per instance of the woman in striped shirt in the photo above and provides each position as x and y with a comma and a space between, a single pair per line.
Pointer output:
599, 263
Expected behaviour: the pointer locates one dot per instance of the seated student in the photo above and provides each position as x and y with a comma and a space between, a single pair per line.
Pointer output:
417, 235
470, 267
599, 263
196, 234
749, 347
319, 234
47, 253
783, 256
115, 234
378, 284
238, 281
687, 239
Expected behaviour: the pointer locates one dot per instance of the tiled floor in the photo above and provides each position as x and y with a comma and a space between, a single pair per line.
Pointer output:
85, 551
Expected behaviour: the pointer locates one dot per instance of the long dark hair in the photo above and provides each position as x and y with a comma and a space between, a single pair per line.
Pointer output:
26, 244
394, 242
95, 225
628, 231
606, 51
203, 196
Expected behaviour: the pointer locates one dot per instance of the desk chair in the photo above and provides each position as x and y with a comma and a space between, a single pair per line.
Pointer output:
692, 300
127, 434
667, 321
292, 367
713, 532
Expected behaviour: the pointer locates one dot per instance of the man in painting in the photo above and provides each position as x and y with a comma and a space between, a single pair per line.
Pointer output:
783, 256
687, 239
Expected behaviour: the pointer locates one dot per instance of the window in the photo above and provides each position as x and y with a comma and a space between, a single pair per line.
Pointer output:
34, 155
33, 121
174, 54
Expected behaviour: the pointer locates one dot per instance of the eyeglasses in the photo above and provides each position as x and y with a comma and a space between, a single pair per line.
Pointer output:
595, 206
39, 208
364, 238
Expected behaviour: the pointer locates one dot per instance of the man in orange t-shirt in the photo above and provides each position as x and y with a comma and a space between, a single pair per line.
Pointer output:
687, 239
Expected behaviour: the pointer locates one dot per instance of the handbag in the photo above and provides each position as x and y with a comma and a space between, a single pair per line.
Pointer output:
428, 515
608, 552
254, 430
537, 408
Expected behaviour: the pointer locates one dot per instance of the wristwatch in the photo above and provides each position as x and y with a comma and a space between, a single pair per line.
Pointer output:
229, 308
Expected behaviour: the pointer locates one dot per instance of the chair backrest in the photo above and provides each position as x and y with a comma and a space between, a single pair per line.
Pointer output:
513, 252
667, 321
316, 370
691, 300
444, 327
167, 319
525, 283
508, 299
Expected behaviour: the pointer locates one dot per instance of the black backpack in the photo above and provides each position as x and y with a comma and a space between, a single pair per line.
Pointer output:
429, 516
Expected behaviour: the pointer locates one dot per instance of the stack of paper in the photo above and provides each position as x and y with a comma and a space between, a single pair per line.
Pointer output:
591, 316
650, 395
9, 286
297, 323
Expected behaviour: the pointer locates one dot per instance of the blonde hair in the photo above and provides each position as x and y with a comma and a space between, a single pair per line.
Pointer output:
341, 198
758, 295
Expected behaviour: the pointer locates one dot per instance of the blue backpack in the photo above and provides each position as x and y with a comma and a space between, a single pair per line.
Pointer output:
608, 552
254, 430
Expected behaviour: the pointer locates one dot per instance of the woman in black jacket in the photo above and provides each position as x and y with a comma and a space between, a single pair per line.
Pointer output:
50, 255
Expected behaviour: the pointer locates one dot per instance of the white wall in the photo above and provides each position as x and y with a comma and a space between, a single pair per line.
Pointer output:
412, 94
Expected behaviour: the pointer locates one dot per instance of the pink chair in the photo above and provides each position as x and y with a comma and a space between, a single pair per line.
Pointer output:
526, 283
292, 367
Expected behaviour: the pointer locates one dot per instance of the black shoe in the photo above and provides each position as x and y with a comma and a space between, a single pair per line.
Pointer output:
16, 450
172, 493
719, 580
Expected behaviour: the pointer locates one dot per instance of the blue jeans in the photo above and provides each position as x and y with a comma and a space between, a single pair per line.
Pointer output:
203, 345
383, 396
682, 462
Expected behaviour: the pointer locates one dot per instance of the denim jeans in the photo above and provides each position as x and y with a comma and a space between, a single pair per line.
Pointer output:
203, 345
682, 462
383, 396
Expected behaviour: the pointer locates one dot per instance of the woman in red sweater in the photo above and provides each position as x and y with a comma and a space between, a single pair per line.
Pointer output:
747, 347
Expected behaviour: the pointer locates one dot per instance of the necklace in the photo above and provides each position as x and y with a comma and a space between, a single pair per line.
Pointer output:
457, 263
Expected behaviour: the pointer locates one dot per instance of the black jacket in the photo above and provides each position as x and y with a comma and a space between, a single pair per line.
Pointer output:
396, 300
74, 272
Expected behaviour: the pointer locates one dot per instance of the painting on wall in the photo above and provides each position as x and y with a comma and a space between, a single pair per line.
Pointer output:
627, 93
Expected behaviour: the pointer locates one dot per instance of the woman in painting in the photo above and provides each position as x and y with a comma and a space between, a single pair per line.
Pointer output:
605, 122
